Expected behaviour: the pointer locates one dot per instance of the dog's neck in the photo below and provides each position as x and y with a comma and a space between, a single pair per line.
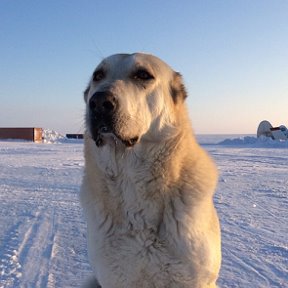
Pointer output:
115, 160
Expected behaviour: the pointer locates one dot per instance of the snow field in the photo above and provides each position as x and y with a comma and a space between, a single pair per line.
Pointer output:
42, 229
252, 202
42, 232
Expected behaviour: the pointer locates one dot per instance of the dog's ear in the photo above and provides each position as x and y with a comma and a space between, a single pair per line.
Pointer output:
177, 88
86, 93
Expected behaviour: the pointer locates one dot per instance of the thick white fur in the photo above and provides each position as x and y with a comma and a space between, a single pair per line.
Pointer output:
149, 208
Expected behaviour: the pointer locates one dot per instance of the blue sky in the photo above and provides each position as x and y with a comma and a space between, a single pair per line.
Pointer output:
233, 56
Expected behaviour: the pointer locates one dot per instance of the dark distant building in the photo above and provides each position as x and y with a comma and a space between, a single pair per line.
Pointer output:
74, 136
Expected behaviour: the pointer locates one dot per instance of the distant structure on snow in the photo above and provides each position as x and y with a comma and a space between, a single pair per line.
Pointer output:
74, 136
276, 133
28, 133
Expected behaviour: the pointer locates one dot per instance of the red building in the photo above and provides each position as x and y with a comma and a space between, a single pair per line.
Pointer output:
29, 134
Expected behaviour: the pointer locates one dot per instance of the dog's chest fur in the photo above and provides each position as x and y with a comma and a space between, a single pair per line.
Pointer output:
137, 237
134, 235
133, 188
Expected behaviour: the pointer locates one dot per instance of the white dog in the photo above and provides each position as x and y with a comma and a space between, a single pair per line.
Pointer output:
148, 186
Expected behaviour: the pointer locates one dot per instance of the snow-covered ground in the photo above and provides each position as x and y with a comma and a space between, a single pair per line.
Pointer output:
42, 230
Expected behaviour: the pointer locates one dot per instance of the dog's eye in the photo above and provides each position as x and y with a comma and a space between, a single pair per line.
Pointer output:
98, 75
143, 75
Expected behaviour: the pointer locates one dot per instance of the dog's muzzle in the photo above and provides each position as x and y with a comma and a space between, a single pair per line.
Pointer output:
103, 107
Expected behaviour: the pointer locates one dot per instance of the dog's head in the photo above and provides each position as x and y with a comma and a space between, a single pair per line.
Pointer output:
130, 97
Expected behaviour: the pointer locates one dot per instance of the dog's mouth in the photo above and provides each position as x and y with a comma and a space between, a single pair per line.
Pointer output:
104, 133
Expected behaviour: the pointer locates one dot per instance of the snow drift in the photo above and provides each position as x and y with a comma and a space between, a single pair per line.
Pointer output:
260, 142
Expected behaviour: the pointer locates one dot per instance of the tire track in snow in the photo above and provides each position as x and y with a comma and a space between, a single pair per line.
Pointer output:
47, 279
37, 245
10, 268
20, 261
252, 268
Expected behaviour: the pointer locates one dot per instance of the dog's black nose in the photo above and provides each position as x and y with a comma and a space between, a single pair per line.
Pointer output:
103, 102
